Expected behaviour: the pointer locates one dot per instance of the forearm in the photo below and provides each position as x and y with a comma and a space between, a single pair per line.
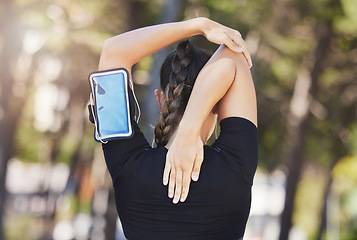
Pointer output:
211, 85
128, 48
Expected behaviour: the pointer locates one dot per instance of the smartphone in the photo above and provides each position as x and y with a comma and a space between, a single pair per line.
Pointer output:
111, 104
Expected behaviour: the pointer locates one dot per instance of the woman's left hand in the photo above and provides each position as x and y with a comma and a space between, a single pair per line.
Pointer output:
220, 34
183, 163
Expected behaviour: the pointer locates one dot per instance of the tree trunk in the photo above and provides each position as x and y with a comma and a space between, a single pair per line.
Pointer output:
323, 216
299, 122
111, 216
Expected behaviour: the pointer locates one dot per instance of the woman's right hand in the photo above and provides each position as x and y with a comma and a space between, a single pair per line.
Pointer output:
220, 34
183, 163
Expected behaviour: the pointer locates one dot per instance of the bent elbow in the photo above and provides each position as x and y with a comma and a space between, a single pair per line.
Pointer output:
107, 45
110, 57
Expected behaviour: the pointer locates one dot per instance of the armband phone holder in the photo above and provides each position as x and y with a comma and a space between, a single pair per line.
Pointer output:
111, 104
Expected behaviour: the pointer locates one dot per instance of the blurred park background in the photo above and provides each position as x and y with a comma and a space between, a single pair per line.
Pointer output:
53, 178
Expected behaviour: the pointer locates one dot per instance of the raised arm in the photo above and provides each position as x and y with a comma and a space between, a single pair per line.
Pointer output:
128, 48
226, 81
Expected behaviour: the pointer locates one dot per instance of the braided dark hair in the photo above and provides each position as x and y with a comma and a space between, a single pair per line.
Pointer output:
177, 78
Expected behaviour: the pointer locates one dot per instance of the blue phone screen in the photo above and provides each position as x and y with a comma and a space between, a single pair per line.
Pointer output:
112, 107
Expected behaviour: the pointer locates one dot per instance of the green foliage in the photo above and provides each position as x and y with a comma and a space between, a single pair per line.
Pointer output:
27, 138
330, 77
346, 169
18, 228
345, 185
285, 71
88, 144
350, 231
308, 200
347, 23
353, 139
68, 147
350, 203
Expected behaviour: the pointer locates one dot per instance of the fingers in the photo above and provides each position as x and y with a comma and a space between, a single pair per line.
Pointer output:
236, 43
231, 44
232, 38
173, 177
186, 180
178, 186
182, 186
172, 183
165, 178
178, 181
197, 165
246, 52
178, 170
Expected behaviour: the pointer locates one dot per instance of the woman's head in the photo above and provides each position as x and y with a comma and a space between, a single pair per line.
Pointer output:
177, 78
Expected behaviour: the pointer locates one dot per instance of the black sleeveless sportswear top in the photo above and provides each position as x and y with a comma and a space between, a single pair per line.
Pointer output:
217, 206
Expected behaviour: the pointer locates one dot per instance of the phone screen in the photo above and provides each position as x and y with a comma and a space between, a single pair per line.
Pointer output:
112, 104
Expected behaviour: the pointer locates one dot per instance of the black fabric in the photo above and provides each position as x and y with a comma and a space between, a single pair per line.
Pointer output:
218, 204
90, 113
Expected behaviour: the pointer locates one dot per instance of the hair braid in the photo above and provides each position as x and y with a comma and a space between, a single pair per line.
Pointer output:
181, 74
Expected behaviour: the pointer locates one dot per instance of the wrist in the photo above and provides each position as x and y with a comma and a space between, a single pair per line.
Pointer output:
205, 25
198, 25
188, 129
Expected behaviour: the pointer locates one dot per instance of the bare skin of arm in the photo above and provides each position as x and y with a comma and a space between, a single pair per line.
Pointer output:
225, 80
126, 49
